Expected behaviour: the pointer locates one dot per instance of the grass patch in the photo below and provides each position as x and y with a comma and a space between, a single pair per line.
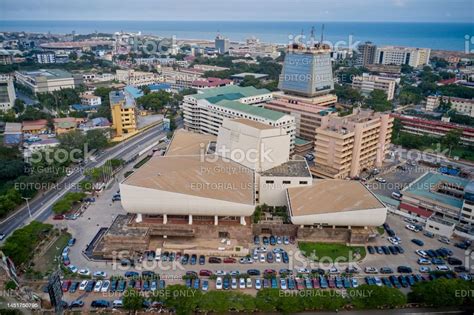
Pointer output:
128, 173
381, 230
46, 263
317, 251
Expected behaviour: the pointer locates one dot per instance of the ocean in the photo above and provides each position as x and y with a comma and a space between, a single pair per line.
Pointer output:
445, 36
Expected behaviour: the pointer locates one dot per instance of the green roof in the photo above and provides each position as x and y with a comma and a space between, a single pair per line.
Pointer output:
299, 141
251, 110
231, 91
422, 187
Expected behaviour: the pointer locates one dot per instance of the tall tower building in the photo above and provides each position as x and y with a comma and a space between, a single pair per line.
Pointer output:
307, 71
367, 53
222, 44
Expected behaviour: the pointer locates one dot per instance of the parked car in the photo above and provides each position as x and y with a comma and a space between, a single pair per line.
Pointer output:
404, 269
76, 304
417, 242
100, 304
219, 283
428, 234
444, 240
205, 273
215, 260
371, 249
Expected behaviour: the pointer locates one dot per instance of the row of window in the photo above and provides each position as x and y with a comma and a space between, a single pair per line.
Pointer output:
287, 182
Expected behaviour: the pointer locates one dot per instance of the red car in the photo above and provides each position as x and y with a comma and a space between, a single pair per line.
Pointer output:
270, 272
229, 260
316, 283
300, 284
58, 217
66, 285
205, 273
331, 283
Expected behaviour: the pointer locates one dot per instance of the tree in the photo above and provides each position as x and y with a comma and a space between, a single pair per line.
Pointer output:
372, 297
73, 55
451, 139
377, 101
132, 301
154, 101
442, 292
19, 106
96, 139
179, 297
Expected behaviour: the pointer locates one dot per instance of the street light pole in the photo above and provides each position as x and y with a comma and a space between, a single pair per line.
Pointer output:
28, 205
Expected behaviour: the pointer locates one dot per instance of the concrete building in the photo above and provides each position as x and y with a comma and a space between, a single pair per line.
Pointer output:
436, 128
368, 83
91, 100
432, 102
208, 83
367, 53
335, 203
123, 109
46, 58
307, 71
440, 196
239, 77
34, 127
394, 55
47, 80
346, 145
135, 78
308, 112
12, 136
462, 106
7, 93
204, 112
221, 44
29, 148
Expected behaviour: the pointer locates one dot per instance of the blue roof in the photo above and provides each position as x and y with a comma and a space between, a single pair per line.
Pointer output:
133, 91
100, 121
159, 87
82, 108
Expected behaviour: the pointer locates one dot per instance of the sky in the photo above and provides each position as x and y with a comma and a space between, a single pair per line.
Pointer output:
442, 11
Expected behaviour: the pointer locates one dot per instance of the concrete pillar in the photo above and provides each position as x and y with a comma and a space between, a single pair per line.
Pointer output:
190, 219
349, 227
139, 218
242, 220
333, 227
216, 220
165, 218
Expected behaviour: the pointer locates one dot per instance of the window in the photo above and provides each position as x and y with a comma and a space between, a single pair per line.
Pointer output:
303, 182
286, 182
269, 182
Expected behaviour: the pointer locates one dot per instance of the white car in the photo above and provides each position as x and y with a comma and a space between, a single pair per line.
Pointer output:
262, 258
234, 273
333, 270
442, 268
355, 283
84, 272
283, 284
262, 249
233, 283
411, 228
424, 269
242, 283
424, 261
278, 257
105, 286
393, 240
421, 253
117, 304
302, 270
83, 285
381, 180
258, 284
371, 270
255, 256
98, 286
219, 283
249, 283
100, 274
72, 268
377, 281
220, 273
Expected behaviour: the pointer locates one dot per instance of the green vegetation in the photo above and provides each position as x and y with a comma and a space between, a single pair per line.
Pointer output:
187, 301
66, 203
132, 300
60, 100
378, 102
155, 101
347, 94
143, 161
47, 262
317, 251
443, 292
380, 230
21, 245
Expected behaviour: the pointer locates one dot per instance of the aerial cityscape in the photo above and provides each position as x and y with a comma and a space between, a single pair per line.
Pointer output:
240, 156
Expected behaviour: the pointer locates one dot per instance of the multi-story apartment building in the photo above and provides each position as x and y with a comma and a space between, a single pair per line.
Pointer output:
393, 55
308, 115
420, 126
221, 44
367, 83
307, 71
7, 93
346, 145
47, 80
367, 53
204, 112
179, 79
462, 106
124, 120
46, 57
90, 99
432, 102
136, 78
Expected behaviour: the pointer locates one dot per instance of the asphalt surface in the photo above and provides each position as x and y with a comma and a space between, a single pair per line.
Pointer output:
41, 206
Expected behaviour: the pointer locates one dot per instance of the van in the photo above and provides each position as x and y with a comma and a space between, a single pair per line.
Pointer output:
396, 196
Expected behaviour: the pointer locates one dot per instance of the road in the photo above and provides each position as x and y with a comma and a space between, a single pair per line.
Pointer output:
41, 207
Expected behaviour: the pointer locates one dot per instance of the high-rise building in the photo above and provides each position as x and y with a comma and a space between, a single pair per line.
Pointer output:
367, 83
222, 44
367, 53
123, 109
346, 145
307, 70
393, 55
7, 93
46, 57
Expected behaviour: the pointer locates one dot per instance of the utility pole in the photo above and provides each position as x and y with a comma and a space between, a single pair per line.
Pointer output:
28, 204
